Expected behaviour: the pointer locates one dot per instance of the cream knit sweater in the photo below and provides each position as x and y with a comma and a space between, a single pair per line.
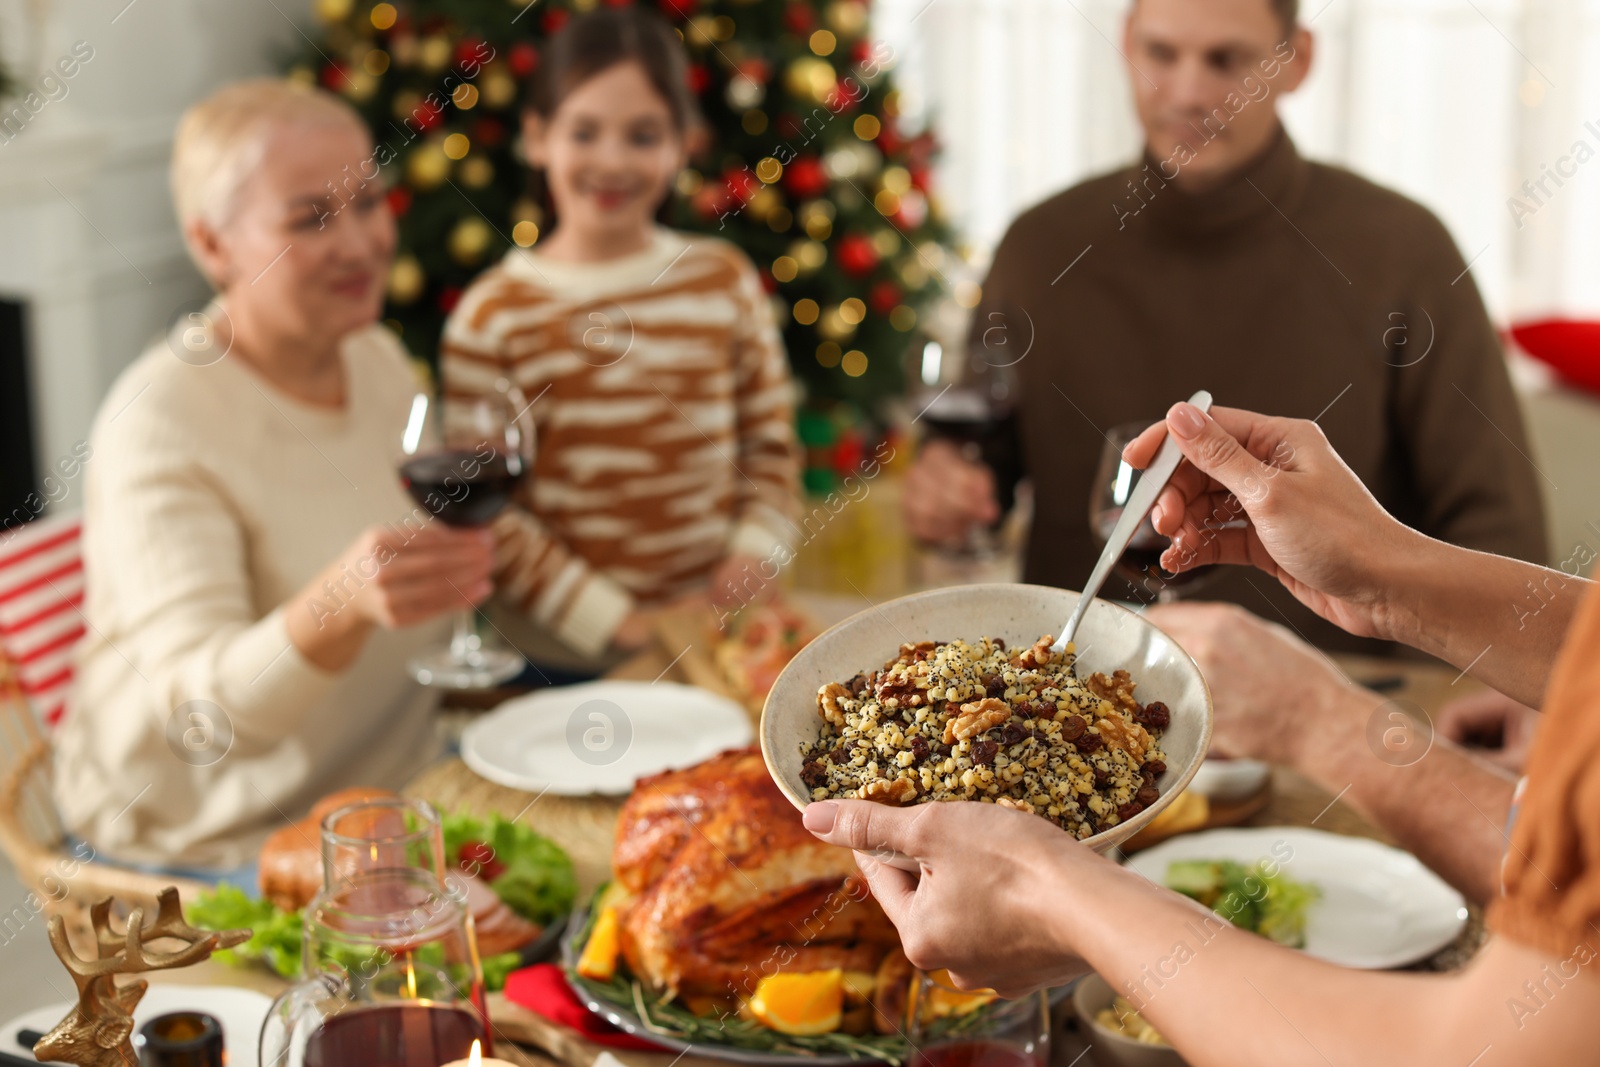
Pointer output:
211, 498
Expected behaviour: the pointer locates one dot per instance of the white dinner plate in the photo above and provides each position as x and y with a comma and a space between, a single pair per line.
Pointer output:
601, 737
240, 1011
1380, 907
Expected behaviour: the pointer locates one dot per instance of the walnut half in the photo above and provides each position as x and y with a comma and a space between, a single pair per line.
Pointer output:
828, 702
1039, 655
901, 791
975, 718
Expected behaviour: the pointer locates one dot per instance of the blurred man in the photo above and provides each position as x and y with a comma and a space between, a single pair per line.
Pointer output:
1222, 260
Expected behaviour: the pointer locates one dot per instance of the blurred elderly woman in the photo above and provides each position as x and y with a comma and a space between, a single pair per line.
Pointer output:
253, 594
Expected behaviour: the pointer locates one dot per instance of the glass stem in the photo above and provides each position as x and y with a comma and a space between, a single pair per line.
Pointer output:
464, 638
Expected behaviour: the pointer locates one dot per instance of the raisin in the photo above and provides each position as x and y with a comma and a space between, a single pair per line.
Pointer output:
919, 748
1129, 810
983, 752
1013, 733
1147, 795
813, 775
839, 756
994, 687
1154, 715
1101, 777
859, 684
1089, 742
942, 750
998, 643
1155, 767
1072, 728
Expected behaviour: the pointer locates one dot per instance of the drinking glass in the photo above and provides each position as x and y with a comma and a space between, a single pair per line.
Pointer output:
1004, 1033
393, 974
1139, 566
967, 397
462, 459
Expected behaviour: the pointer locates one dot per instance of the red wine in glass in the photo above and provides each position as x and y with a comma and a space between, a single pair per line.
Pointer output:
462, 486
1140, 563
394, 1035
978, 1054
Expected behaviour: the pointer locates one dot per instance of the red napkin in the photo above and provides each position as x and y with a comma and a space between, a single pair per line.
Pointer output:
543, 990
1571, 347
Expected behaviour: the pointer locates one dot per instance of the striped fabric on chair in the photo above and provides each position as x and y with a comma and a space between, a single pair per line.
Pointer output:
41, 592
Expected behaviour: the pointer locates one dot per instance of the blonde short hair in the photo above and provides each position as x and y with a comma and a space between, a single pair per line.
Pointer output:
221, 140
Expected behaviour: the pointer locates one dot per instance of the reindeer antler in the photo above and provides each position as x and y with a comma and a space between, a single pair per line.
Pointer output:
96, 1031
127, 953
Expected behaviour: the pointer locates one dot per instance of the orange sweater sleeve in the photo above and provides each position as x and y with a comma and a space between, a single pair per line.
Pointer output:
1551, 897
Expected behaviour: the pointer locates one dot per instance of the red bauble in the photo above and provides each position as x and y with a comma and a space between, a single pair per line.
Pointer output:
677, 9
699, 78
449, 298
799, 18
861, 51
805, 178
427, 117
889, 140
619, 3
855, 255
488, 132
554, 19
399, 200
768, 282
333, 77
468, 52
524, 58
921, 177
884, 297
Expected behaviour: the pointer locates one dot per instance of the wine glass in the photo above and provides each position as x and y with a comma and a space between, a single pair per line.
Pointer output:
1140, 564
944, 1030
967, 397
462, 459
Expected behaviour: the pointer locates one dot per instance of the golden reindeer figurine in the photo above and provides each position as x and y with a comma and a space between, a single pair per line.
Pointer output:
98, 1032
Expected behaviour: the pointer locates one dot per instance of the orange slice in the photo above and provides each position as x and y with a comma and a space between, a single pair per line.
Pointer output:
599, 959
800, 1004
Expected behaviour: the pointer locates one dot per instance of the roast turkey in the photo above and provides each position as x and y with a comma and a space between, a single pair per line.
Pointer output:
719, 885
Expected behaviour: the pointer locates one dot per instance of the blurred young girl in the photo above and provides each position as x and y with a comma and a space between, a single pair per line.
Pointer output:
666, 458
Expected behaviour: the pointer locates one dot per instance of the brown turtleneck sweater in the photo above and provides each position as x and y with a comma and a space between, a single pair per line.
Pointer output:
1296, 289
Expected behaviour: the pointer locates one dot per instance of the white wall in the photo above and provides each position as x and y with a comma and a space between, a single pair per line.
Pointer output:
86, 228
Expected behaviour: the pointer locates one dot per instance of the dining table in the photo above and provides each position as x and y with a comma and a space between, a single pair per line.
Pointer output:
585, 827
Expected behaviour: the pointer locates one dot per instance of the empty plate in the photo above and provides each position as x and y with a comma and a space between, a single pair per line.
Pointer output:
601, 737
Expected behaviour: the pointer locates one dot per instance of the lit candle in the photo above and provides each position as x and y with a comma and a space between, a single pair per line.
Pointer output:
477, 1059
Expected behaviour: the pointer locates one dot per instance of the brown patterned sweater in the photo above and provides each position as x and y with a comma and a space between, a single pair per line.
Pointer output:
664, 411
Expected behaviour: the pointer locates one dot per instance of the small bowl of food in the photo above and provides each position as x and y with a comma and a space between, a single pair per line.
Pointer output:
955, 694
1120, 1035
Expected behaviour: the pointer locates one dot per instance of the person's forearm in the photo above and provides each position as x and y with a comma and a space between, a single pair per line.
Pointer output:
1501, 619
1226, 997
327, 631
1436, 800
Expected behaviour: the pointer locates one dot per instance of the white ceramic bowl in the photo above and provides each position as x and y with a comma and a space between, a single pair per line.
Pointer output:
1108, 638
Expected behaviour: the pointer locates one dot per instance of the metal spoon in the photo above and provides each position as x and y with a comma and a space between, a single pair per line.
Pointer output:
1140, 501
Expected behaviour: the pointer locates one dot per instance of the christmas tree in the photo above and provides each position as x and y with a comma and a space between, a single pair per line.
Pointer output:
806, 167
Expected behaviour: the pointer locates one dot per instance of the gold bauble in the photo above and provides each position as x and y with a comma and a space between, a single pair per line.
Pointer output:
477, 172
469, 240
405, 103
499, 87
763, 202
810, 78
847, 17
435, 53
427, 166
404, 49
406, 280
834, 326
809, 254
333, 10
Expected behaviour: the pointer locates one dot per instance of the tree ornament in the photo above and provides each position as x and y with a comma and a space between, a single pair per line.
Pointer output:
855, 255
805, 178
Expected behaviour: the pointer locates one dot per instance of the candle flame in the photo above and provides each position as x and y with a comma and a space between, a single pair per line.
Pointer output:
475, 1059
411, 979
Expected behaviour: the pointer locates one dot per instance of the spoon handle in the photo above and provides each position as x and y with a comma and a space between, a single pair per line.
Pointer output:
1140, 501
